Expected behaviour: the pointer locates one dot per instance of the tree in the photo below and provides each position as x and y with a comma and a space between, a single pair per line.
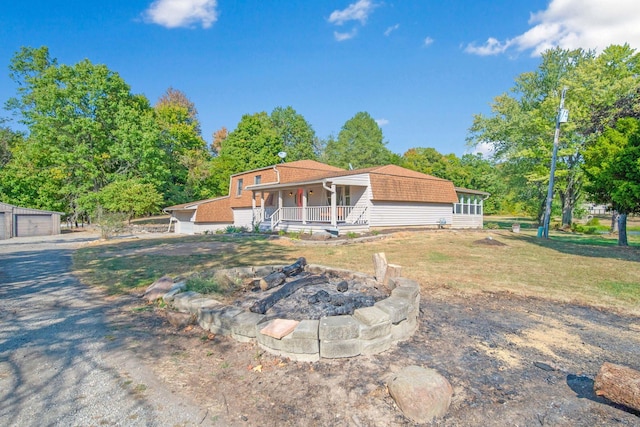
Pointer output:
86, 130
520, 129
360, 144
612, 165
297, 136
130, 197
180, 138
219, 137
8, 140
253, 144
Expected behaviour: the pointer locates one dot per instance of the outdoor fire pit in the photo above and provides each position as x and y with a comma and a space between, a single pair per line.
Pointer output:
307, 312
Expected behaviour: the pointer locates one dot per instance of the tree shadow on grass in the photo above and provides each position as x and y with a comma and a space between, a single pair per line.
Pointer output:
121, 267
581, 246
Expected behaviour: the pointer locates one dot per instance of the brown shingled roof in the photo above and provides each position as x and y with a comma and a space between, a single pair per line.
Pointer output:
304, 170
216, 210
394, 183
183, 206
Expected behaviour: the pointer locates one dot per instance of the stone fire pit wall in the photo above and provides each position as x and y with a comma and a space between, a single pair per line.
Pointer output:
368, 331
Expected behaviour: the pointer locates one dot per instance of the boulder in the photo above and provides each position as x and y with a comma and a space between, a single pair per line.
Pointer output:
422, 394
180, 320
158, 288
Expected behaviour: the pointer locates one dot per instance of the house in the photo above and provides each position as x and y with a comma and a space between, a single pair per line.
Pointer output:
16, 221
309, 196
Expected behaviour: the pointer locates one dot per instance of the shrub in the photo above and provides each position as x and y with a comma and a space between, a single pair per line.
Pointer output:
110, 223
203, 285
352, 235
593, 222
232, 229
295, 235
492, 226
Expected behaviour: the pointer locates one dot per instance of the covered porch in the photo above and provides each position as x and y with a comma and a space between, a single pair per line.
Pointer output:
311, 206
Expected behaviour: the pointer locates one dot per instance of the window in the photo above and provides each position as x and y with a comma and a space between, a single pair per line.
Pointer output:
257, 179
239, 188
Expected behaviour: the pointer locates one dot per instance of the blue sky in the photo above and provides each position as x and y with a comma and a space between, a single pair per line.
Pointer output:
421, 68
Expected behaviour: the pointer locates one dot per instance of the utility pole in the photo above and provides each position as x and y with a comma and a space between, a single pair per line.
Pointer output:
563, 116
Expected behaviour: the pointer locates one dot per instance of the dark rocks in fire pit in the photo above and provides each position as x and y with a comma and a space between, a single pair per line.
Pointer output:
336, 305
342, 286
286, 290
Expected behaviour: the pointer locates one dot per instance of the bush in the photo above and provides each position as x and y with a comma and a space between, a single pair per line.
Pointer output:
595, 222
109, 223
203, 285
352, 235
585, 229
232, 229
295, 235
492, 226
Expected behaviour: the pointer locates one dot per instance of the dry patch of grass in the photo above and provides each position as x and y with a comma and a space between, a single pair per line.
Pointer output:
564, 268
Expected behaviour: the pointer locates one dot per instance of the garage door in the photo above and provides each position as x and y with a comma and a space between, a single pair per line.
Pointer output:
33, 225
3, 226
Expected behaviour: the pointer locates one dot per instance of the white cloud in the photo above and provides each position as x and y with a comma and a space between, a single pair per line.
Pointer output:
484, 148
182, 13
391, 29
572, 24
491, 47
345, 36
382, 122
358, 11
428, 41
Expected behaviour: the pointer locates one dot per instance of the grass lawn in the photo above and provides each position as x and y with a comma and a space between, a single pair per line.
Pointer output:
567, 267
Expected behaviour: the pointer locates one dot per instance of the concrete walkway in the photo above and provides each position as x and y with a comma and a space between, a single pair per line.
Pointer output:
58, 363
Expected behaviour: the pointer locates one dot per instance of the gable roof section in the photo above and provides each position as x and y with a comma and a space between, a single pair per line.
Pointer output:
217, 210
394, 183
304, 170
188, 206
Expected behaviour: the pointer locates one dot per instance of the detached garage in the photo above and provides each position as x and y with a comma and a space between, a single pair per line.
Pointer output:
24, 222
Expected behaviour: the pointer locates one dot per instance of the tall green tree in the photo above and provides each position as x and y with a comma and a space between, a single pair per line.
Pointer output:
521, 126
186, 151
360, 144
253, 144
612, 164
297, 136
85, 130
8, 140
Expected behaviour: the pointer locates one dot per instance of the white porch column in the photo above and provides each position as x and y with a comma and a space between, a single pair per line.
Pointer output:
334, 210
253, 208
304, 205
262, 205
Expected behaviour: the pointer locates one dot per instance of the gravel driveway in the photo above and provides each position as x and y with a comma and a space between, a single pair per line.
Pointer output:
59, 362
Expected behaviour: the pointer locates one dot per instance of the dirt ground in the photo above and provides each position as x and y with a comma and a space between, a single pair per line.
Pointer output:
511, 361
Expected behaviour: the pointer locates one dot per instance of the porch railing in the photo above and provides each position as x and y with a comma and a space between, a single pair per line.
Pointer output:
317, 214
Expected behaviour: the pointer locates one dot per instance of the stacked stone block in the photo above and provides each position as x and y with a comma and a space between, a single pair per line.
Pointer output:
368, 331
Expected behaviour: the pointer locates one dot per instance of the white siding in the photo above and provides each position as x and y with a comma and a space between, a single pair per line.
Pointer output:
391, 214
467, 221
212, 227
243, 217
184, 225
359, 180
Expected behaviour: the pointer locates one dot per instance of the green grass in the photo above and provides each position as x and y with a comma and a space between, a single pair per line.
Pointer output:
203, 285
569, 267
